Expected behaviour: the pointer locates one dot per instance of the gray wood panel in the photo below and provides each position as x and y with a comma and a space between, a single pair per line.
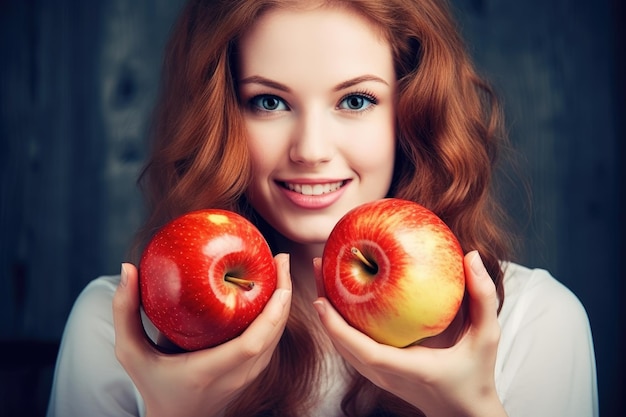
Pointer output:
77, 83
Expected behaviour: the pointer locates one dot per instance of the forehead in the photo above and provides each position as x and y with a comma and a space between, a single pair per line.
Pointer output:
336, 41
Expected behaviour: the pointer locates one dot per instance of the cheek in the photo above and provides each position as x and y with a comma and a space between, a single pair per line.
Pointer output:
263, 150
268, 140
373, 151
259, 164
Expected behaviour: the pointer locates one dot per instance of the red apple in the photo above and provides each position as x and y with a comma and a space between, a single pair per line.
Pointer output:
205, 276
394, 271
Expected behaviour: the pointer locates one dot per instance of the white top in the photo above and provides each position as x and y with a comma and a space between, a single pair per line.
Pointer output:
545, 365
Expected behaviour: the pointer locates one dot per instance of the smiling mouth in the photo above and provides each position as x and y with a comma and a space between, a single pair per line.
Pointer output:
313, 189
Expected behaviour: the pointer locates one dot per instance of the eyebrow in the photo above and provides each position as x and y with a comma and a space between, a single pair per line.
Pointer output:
358, 80
256, 79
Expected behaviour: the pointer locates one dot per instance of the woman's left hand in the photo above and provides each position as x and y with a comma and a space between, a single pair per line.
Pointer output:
452, 381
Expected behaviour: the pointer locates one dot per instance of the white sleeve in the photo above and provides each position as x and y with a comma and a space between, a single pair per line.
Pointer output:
546, 363
88, 379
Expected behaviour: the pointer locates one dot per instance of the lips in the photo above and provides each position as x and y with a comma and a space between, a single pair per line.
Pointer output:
313, 189
313, 195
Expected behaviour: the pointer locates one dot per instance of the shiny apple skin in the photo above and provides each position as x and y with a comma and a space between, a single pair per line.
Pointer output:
182, 273
420, 282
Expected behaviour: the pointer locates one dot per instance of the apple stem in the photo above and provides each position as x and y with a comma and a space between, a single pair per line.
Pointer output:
243, 283
356, 252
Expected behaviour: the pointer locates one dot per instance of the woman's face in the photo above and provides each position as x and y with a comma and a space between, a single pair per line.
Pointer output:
317, 89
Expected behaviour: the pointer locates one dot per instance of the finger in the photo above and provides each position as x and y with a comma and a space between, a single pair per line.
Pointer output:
282, 269
383, 365
261, 337
332, 323
483, 300
319, 278
275, 314
368, 356
130, 337
355, 346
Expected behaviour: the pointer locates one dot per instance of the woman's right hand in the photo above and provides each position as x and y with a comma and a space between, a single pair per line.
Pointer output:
199, 383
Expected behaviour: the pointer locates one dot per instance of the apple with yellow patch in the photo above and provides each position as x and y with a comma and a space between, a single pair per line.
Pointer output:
205, 276
394, 270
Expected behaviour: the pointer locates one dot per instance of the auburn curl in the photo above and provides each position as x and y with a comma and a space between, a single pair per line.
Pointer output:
449, 133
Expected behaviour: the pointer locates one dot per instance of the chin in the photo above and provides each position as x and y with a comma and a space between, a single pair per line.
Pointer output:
306, 234
308, 238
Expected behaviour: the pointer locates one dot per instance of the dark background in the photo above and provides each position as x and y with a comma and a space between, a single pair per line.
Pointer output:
77, 83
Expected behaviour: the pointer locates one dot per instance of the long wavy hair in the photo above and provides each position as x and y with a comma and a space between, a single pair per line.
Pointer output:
449, 135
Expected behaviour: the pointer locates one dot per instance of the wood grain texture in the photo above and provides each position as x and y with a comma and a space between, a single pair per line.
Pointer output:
78, 81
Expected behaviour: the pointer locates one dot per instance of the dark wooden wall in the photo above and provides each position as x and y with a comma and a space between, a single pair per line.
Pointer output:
78, 79
77, 82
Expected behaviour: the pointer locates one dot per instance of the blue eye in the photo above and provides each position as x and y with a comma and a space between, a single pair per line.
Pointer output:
269, 103
357, 102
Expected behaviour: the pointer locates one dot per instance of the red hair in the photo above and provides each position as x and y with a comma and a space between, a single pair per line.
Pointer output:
449, 132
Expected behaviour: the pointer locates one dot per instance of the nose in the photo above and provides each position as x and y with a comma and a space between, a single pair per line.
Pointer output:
312, 142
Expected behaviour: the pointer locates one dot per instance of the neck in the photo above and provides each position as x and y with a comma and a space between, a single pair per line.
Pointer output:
305, 287
301, 256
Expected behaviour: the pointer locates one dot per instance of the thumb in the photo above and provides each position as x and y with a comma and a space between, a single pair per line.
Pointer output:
319, 277
129, 333
483, 303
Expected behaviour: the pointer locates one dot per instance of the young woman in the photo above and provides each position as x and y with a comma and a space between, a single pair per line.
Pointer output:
293, 112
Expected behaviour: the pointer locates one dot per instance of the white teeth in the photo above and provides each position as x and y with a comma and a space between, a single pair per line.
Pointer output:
314, 189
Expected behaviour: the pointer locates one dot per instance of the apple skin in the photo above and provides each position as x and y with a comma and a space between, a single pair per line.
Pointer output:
182, 277
418, 285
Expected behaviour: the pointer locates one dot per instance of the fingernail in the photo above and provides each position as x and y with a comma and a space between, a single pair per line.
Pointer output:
320, 307
124, 276
477, 266
285, 264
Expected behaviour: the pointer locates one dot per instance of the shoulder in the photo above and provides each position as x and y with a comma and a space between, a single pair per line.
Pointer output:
544, 332
537, 294
104, 284
92, 311
88, 379
98, 293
